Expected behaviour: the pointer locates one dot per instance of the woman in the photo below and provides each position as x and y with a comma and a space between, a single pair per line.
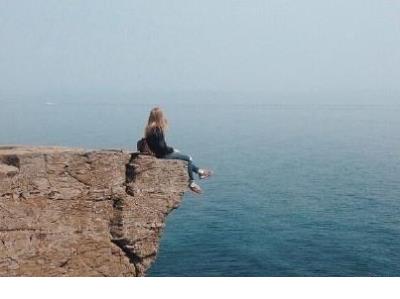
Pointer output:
154, 135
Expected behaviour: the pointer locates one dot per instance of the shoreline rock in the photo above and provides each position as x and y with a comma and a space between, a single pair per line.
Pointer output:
76, 212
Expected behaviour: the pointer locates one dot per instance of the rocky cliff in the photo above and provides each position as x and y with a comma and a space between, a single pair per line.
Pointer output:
72, 212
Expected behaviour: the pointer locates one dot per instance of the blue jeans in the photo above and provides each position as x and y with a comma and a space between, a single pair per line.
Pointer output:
176, 154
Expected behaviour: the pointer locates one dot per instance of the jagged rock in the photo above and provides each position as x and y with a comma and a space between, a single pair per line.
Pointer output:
71, 212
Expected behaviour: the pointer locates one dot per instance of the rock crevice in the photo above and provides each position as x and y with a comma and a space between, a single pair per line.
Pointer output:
73, 212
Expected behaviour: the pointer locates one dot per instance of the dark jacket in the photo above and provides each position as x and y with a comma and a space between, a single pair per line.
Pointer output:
157, 144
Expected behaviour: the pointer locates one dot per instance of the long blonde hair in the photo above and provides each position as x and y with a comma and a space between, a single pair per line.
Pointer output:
156, 120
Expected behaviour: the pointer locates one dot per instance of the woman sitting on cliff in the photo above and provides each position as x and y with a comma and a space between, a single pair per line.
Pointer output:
154, 135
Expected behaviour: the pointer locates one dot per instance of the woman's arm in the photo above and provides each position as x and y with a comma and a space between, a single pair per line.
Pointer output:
163, 144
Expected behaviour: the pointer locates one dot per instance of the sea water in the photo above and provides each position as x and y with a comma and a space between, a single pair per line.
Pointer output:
298, 190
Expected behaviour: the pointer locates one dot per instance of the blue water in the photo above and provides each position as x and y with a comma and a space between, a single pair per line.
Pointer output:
299, 190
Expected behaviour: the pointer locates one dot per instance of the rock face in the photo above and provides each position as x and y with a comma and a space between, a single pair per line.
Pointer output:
71, 212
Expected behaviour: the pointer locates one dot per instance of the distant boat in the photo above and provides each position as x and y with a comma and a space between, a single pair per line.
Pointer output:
50, 103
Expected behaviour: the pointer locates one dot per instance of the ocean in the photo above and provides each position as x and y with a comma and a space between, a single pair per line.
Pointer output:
298, 190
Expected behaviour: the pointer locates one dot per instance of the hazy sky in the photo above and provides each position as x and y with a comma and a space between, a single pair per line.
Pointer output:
264, 46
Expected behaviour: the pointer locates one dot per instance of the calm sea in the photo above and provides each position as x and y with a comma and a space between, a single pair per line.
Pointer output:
299, 190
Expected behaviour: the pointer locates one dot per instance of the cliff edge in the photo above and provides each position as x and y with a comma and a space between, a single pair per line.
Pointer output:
73, 212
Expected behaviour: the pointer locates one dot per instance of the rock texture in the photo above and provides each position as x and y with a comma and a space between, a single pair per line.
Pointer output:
71, 212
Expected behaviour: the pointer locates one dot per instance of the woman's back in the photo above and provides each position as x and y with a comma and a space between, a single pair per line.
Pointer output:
156, 142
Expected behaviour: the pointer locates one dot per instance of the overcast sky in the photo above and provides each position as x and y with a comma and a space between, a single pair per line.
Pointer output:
265, 46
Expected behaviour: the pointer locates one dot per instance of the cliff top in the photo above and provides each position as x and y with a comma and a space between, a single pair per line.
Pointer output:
76, 212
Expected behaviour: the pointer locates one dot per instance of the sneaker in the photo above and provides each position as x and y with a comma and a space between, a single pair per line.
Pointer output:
195, 188
205, 173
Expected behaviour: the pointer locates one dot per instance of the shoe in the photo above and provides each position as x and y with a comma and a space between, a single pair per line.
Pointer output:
205, 173
195, 188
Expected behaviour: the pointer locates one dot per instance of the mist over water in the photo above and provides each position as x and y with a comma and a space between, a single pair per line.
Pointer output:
268, 46
299, 190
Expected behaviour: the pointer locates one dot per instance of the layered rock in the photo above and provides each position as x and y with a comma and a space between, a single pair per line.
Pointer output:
72, 212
